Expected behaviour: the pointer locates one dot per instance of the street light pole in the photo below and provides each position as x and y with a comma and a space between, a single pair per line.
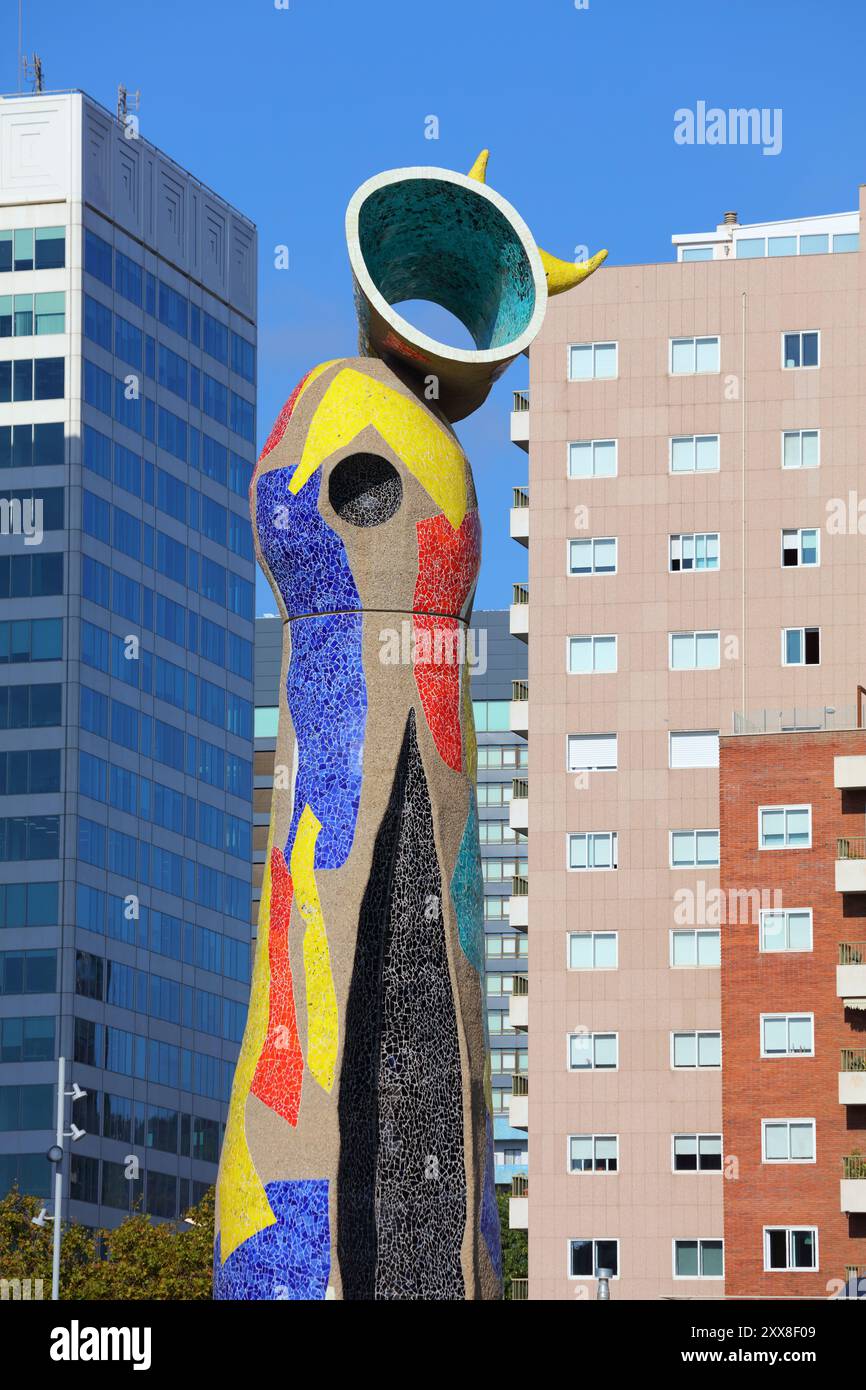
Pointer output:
58, 1178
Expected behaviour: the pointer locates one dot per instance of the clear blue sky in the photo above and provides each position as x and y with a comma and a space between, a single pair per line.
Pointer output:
286, 112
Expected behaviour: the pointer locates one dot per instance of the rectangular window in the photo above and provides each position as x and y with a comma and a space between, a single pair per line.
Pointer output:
697, 1153
593, 1051
788, 930
691, 355
694, 453
696, 1051
695, 949
790, 1247
592, 556
751, 248
698, 551
784, 827
592, 361
693, 651
592, 950
97, 322
592, 655
694, 849
699, 1259
801, 349
691, 748
587, 1257
50, 248
173, 309
801, 646
592, 458
592, 753
801, 547
801, 448
593, 1153
596, 850
787, 1035
50, 312
97, 257
788, 1141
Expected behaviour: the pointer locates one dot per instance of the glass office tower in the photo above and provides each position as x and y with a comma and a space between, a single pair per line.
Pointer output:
127, 442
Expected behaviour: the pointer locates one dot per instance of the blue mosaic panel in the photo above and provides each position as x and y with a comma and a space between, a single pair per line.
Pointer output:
289, 1260
305, 556
489, 1211
327, 696
467, 892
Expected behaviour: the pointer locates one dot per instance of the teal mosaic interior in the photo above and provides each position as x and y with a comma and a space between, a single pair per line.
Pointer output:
429, 239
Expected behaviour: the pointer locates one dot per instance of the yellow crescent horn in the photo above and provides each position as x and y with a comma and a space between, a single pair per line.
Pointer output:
479, 168
564, 275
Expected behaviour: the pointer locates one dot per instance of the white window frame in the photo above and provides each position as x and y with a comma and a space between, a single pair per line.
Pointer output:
695, 932
593, 541
789, 1268
787, 333
590, 1172
786, 1056
805, 806
694, 471
798, 532
698, 632
802, 631
784, 1120
686, 830
610, 1240
694, 339
596, 1033
595, 344
694, 537
696, 1033
591, 637
585, 477
606, 768
614, 847
801, 467
786, 913
700, 1241
585, 969
682, 1134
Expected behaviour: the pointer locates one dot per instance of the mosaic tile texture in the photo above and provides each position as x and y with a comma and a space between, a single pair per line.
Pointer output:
402, 1187
291, 1259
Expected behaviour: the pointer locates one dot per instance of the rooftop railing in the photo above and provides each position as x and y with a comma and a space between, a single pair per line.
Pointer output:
796, 720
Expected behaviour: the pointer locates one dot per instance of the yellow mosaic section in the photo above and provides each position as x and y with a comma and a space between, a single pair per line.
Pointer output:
321, 995
351, 403
243, 1204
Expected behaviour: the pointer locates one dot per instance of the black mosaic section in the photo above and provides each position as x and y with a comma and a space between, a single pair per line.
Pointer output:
365, 489
401, 1192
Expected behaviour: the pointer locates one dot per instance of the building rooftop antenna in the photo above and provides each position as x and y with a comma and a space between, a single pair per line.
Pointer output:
124, 103
33, 72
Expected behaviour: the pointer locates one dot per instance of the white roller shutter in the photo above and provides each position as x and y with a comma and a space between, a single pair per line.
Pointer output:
695, 748
591, 752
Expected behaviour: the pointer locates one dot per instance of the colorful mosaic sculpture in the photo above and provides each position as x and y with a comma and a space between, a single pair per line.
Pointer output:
358, 1154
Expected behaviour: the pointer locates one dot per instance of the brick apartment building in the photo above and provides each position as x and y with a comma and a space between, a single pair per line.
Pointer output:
793, 984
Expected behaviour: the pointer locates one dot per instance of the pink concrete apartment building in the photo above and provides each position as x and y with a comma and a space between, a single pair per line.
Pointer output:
697, 451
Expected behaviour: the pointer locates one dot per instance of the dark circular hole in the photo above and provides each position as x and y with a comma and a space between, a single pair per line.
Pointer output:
365, 489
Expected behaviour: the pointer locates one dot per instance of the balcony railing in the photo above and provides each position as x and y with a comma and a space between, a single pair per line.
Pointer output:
520, 1290
520, 984
854, 1167
519, 1085
852, 952
519, 886
851, 848
520, 1185
519, 690
853, 1059
521, 497
520, 593
521, 400
775, 721
519, 788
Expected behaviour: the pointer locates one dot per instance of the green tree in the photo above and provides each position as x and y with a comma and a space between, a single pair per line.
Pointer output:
515, 1247
136, 1260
